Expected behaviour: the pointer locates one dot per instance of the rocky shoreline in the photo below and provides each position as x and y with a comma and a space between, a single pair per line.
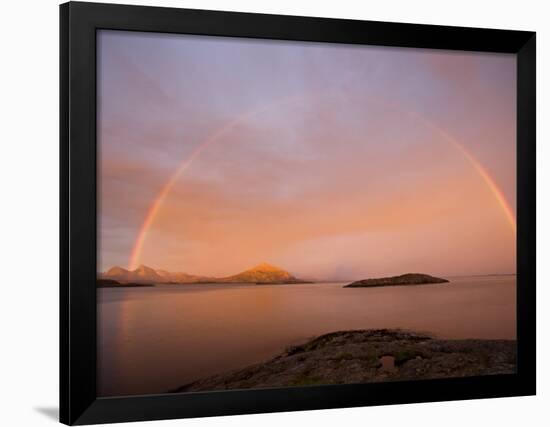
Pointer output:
109, 283
372, 355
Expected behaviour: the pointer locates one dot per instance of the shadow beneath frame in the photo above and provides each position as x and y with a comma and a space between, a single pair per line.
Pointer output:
51, 412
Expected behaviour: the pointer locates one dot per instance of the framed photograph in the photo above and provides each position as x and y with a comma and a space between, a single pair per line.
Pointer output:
267, 213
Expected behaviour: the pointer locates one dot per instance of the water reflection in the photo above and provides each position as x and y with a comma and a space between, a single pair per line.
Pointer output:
155, 339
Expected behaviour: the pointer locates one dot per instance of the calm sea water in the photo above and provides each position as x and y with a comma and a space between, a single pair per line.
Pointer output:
151, 340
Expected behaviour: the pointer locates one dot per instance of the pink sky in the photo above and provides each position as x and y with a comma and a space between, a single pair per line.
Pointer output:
336, 166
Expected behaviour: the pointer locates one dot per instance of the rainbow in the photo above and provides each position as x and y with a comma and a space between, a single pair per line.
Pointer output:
154, 208
220, 133
217, 135
482, 172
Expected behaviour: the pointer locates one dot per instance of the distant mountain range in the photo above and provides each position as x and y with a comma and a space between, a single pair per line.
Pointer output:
262, 273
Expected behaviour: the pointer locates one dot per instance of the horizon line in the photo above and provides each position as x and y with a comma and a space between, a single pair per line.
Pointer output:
305, 277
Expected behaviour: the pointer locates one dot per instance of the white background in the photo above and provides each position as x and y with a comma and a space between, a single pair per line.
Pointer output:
29, 210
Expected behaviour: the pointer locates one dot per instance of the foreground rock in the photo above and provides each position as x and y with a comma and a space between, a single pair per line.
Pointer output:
404, 279
363, 356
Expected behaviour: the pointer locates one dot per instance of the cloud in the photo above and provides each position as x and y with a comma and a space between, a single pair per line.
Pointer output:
326, 173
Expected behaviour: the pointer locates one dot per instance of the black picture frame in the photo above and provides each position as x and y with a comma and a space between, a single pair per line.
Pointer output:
78, 25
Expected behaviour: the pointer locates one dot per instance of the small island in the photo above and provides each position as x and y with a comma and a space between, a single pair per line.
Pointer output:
403, 280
